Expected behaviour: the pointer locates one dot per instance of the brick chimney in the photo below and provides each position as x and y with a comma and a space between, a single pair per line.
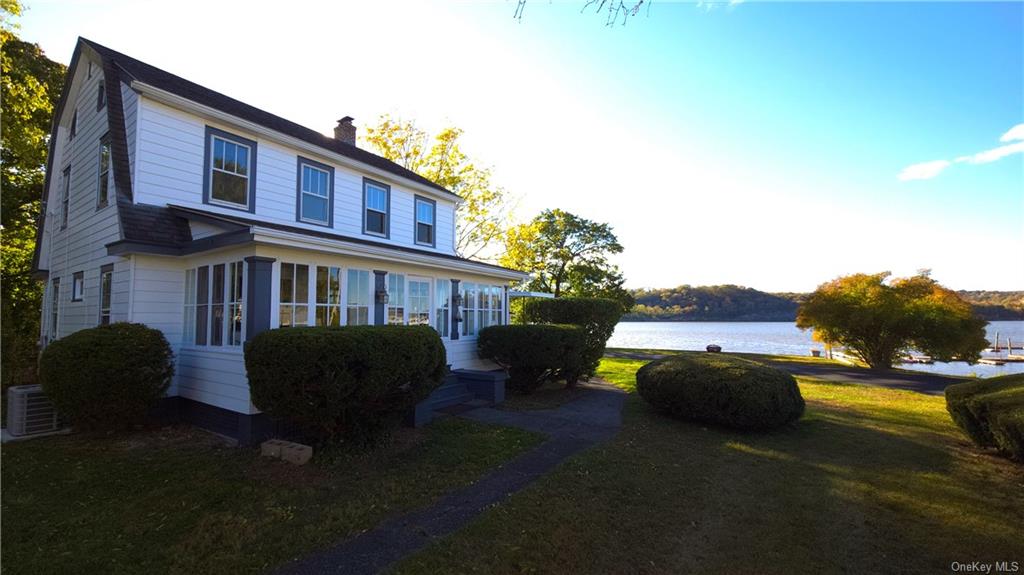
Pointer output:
345, 131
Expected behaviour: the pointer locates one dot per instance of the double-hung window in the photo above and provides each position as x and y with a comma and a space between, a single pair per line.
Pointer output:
443, 301
65, 198
425, 215
103, 189
231, 170
396, 299
316, 185
213, 304
328, 296
77, 286
73, 131
376, 203
106, 287
294, 300
357, 305
101, 97
54, 307
419, 301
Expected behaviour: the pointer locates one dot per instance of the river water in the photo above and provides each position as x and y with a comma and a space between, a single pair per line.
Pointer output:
784, 338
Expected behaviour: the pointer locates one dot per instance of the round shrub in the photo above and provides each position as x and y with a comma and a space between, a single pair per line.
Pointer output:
991, 412
597, 316
106, 378
721, 389
349, 384
533, 354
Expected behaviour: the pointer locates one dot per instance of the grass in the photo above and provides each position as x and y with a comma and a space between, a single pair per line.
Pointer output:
177, 500
551, 395
871, 480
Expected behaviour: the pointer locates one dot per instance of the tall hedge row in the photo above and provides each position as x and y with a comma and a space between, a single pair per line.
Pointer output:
596, 316
991, 412
533, 354
107, 378
347, 384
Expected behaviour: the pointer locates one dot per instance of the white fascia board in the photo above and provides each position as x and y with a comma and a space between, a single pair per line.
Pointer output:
274, 237
175, 101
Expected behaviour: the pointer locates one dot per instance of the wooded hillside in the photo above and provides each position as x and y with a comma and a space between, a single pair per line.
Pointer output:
737, 303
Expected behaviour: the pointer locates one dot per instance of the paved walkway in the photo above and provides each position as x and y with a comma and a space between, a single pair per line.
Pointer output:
573, 427
927, 383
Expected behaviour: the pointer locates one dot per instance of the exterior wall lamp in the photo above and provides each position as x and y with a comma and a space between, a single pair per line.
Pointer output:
381, 296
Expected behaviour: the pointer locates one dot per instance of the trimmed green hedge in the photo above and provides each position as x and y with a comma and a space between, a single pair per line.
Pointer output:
721, 389
107, 378
991, 412
533, 354
348, 384
597, 316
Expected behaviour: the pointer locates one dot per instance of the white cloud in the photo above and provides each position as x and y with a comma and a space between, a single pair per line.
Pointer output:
993, 154
923, 171
1014, 133
928, 170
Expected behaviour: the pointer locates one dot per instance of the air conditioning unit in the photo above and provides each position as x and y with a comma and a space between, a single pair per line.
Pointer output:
29, 411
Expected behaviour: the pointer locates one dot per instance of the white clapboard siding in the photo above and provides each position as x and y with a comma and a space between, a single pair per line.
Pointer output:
81, 246
169, 170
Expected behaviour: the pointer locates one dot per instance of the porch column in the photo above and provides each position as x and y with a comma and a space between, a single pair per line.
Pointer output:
257, 295
455, 310
378, 286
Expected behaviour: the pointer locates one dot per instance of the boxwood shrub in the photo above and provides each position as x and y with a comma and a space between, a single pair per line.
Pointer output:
107, 378
533, 354
721, 389
343, 384
597, 317
991, 412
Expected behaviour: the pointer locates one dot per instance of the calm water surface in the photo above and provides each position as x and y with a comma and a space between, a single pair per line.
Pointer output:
783, 338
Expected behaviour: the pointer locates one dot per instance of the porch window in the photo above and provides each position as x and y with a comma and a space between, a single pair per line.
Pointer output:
328, 296
213, 305
294, 300
442, 306
396, 299
106, 287
470, 305
357, 305
419, 302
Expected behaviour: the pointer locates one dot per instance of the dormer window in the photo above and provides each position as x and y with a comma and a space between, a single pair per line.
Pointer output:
425, 214
315, 192
376, 203
230, 170
101, 97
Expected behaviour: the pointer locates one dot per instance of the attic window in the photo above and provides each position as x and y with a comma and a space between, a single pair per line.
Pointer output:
74, 126
101, 97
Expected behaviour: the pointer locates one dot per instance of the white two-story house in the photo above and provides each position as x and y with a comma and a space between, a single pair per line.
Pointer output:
172, 205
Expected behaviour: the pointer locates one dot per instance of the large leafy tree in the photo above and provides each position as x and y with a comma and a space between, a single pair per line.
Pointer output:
879, 319
567, 255
31, 85
482, 217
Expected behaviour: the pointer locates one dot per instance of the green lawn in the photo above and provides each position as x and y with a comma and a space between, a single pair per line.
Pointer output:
178, 501
871, 480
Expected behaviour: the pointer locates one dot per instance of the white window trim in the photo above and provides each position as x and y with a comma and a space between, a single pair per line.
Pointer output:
214, 168
303, 193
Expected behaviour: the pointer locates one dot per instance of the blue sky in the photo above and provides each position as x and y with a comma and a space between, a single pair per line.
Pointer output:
774, 145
